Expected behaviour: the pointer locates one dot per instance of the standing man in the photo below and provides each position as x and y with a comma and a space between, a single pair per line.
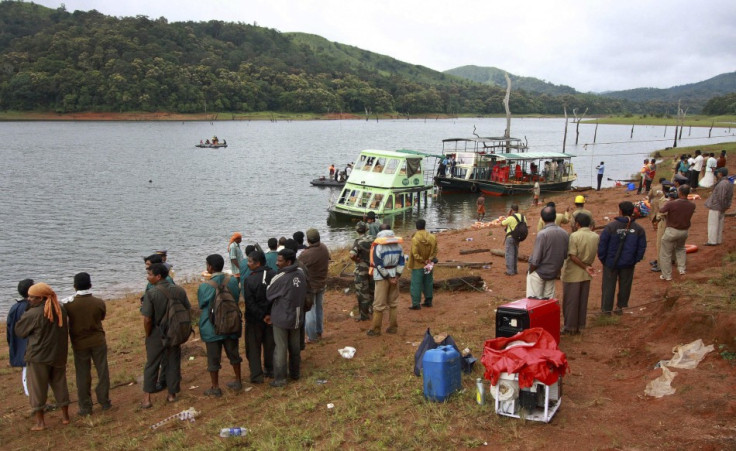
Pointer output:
643, 174
560, 218
316, 259
601, 167
272, 254
286, 293
360, 253
580, 209
679, 212
422, 258
236, 255
717, 204
258, 333
46, 327
545, 263
622, 245
695, 169
480, 204
577, 273
153, 309
512, 220
387, 265
721, 162
17, 345
214, 343
86, 314
373, 226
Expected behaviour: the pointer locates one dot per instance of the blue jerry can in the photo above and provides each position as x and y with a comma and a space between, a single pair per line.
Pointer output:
441, 372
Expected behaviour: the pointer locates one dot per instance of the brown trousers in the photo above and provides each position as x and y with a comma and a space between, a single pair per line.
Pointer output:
40, 377
82, 359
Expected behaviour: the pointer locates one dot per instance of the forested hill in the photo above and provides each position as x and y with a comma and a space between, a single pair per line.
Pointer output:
494, 76
55, 60
694, 95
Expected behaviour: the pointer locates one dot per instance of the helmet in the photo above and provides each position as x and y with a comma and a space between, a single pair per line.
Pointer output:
580, 199
361, 227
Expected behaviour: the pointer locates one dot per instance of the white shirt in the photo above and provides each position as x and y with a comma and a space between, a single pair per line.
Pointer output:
711, 164
698, 163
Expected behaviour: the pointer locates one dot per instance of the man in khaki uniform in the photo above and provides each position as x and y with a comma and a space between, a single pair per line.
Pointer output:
577, 272
421, 260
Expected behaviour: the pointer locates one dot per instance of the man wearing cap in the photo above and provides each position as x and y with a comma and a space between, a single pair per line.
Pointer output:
387, 262
364, 285
717, 204
46, 326
580, 209
86, 313
421, 261
373, 226
236, 255
316, 258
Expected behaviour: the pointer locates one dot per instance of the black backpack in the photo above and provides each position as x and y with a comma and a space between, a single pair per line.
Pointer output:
225, 313
176, 325
521, 231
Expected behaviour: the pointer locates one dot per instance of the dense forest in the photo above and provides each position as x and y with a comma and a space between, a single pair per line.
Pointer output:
54, 60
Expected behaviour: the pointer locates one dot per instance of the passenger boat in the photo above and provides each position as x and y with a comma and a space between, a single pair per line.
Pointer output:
498, 166
385, 182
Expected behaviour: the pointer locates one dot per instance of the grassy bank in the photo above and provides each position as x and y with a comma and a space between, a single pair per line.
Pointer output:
690, 121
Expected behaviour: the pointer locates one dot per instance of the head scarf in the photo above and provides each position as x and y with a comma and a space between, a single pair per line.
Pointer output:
235, 236
52, 302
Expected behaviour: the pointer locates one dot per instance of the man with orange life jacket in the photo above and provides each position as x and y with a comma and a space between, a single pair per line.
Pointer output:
387, 264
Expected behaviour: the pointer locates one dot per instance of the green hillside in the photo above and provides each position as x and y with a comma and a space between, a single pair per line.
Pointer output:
61, 61
495, 77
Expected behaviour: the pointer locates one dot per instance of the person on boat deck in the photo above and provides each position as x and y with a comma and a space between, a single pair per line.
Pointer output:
494, 172
332, 170
207, 142
533, 168
200, 142
517, 172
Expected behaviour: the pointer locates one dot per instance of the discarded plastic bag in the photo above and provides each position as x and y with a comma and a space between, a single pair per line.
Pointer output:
661, 386
348, 352
688, 356
466, 362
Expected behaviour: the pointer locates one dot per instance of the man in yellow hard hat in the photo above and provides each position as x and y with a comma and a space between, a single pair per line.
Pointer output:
580, 209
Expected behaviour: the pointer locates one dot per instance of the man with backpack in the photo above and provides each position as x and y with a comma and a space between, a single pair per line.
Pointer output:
162, 308
220, 322
516, 232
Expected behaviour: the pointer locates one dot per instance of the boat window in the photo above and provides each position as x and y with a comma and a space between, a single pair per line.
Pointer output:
380, 163
369, 164
343, 196
402, 171
391, 166
353, 197
414, 166
389, 203
359, 165
364, 199
376, 202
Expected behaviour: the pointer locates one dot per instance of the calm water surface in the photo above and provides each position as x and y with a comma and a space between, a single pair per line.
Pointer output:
98, 196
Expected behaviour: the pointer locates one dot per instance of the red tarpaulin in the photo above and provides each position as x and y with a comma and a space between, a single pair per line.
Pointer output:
536, 358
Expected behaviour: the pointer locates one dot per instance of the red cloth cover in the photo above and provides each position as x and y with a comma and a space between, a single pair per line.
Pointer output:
542, 361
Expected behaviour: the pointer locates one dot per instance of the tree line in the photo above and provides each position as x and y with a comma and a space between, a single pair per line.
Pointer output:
54, 60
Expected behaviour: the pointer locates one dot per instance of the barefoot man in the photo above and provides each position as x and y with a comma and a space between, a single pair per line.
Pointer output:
46, 326
481, 207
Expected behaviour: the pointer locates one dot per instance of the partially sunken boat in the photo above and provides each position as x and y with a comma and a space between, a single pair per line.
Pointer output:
385, 182
498, 166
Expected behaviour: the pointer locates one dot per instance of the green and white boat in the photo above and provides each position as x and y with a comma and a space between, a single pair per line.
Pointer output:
385, 182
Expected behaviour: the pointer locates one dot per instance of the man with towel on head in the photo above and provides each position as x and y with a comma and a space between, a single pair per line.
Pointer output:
45, 325
236, 255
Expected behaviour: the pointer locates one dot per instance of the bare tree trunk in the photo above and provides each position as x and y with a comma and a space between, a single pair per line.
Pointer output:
595, 133
577, 123
507, 132
664, 135
675, 143
564, 138
711, 128
632, 131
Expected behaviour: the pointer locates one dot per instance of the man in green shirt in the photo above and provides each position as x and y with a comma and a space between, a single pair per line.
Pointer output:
577, 272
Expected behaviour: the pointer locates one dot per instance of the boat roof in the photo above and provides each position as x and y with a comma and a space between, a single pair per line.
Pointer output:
531, 155
399, 153
481, 139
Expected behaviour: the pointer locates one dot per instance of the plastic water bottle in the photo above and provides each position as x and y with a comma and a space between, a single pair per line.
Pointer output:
480, 393
233, 432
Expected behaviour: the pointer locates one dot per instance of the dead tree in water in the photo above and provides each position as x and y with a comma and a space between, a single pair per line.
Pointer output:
577, 123
564, 138
507, 132
595, 133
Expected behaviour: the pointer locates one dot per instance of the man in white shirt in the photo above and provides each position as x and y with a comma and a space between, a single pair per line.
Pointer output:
695, 169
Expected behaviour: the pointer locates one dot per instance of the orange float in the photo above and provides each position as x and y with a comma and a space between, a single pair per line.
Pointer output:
690, 248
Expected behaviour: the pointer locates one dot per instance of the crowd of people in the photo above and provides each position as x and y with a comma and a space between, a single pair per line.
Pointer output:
283, 291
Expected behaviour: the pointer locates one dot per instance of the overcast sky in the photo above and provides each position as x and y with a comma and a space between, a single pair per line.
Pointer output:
591, 45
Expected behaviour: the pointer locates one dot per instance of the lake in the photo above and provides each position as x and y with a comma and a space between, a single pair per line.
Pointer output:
98, 196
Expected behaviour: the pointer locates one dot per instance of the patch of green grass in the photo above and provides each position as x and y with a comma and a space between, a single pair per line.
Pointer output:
606, 320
